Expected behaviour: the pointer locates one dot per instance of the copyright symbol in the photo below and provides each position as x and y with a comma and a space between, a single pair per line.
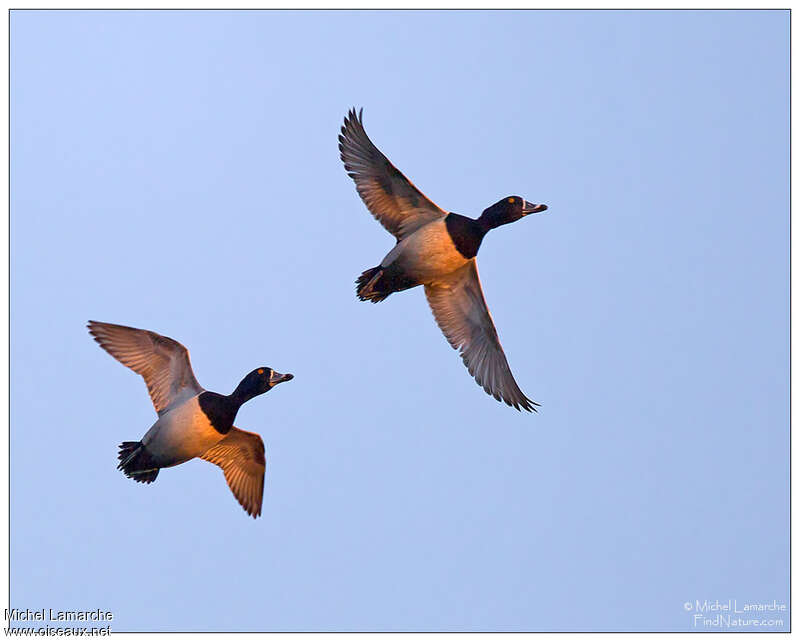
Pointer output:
687, 606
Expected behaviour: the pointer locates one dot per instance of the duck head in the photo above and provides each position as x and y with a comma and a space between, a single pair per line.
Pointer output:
508, 210
258, 382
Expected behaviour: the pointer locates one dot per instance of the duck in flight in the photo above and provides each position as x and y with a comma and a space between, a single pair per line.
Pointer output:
192, 422
436, 249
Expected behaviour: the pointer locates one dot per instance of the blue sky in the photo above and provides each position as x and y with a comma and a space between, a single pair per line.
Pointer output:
179, 171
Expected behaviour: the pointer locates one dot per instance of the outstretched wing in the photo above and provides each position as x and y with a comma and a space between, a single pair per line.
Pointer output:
240, 454
391, 197
162, 362
460, 310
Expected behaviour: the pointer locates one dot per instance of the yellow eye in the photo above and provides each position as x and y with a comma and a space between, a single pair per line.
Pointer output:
261, 371
510, 200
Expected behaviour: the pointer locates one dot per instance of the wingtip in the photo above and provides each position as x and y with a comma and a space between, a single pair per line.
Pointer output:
354, 116
92, 327
530, 405
352, 121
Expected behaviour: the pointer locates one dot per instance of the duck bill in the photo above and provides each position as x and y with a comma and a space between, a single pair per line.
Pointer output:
532, 208
277, 378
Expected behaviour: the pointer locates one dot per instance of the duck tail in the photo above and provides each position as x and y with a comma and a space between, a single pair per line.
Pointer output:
369, 286
136, 463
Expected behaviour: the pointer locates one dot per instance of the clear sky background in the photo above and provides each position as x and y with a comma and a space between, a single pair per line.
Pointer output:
179, 171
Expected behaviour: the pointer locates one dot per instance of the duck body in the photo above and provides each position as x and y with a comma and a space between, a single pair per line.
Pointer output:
435, 250
187, 431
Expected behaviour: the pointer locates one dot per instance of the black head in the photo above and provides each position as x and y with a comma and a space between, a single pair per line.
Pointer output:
258, 382
508, 210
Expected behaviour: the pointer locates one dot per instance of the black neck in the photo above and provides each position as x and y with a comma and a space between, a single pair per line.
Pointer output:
488, 222
220, 409
467, 234
242, 394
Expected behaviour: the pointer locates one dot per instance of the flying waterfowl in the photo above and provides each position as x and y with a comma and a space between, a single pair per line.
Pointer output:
192, 422
435, 249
